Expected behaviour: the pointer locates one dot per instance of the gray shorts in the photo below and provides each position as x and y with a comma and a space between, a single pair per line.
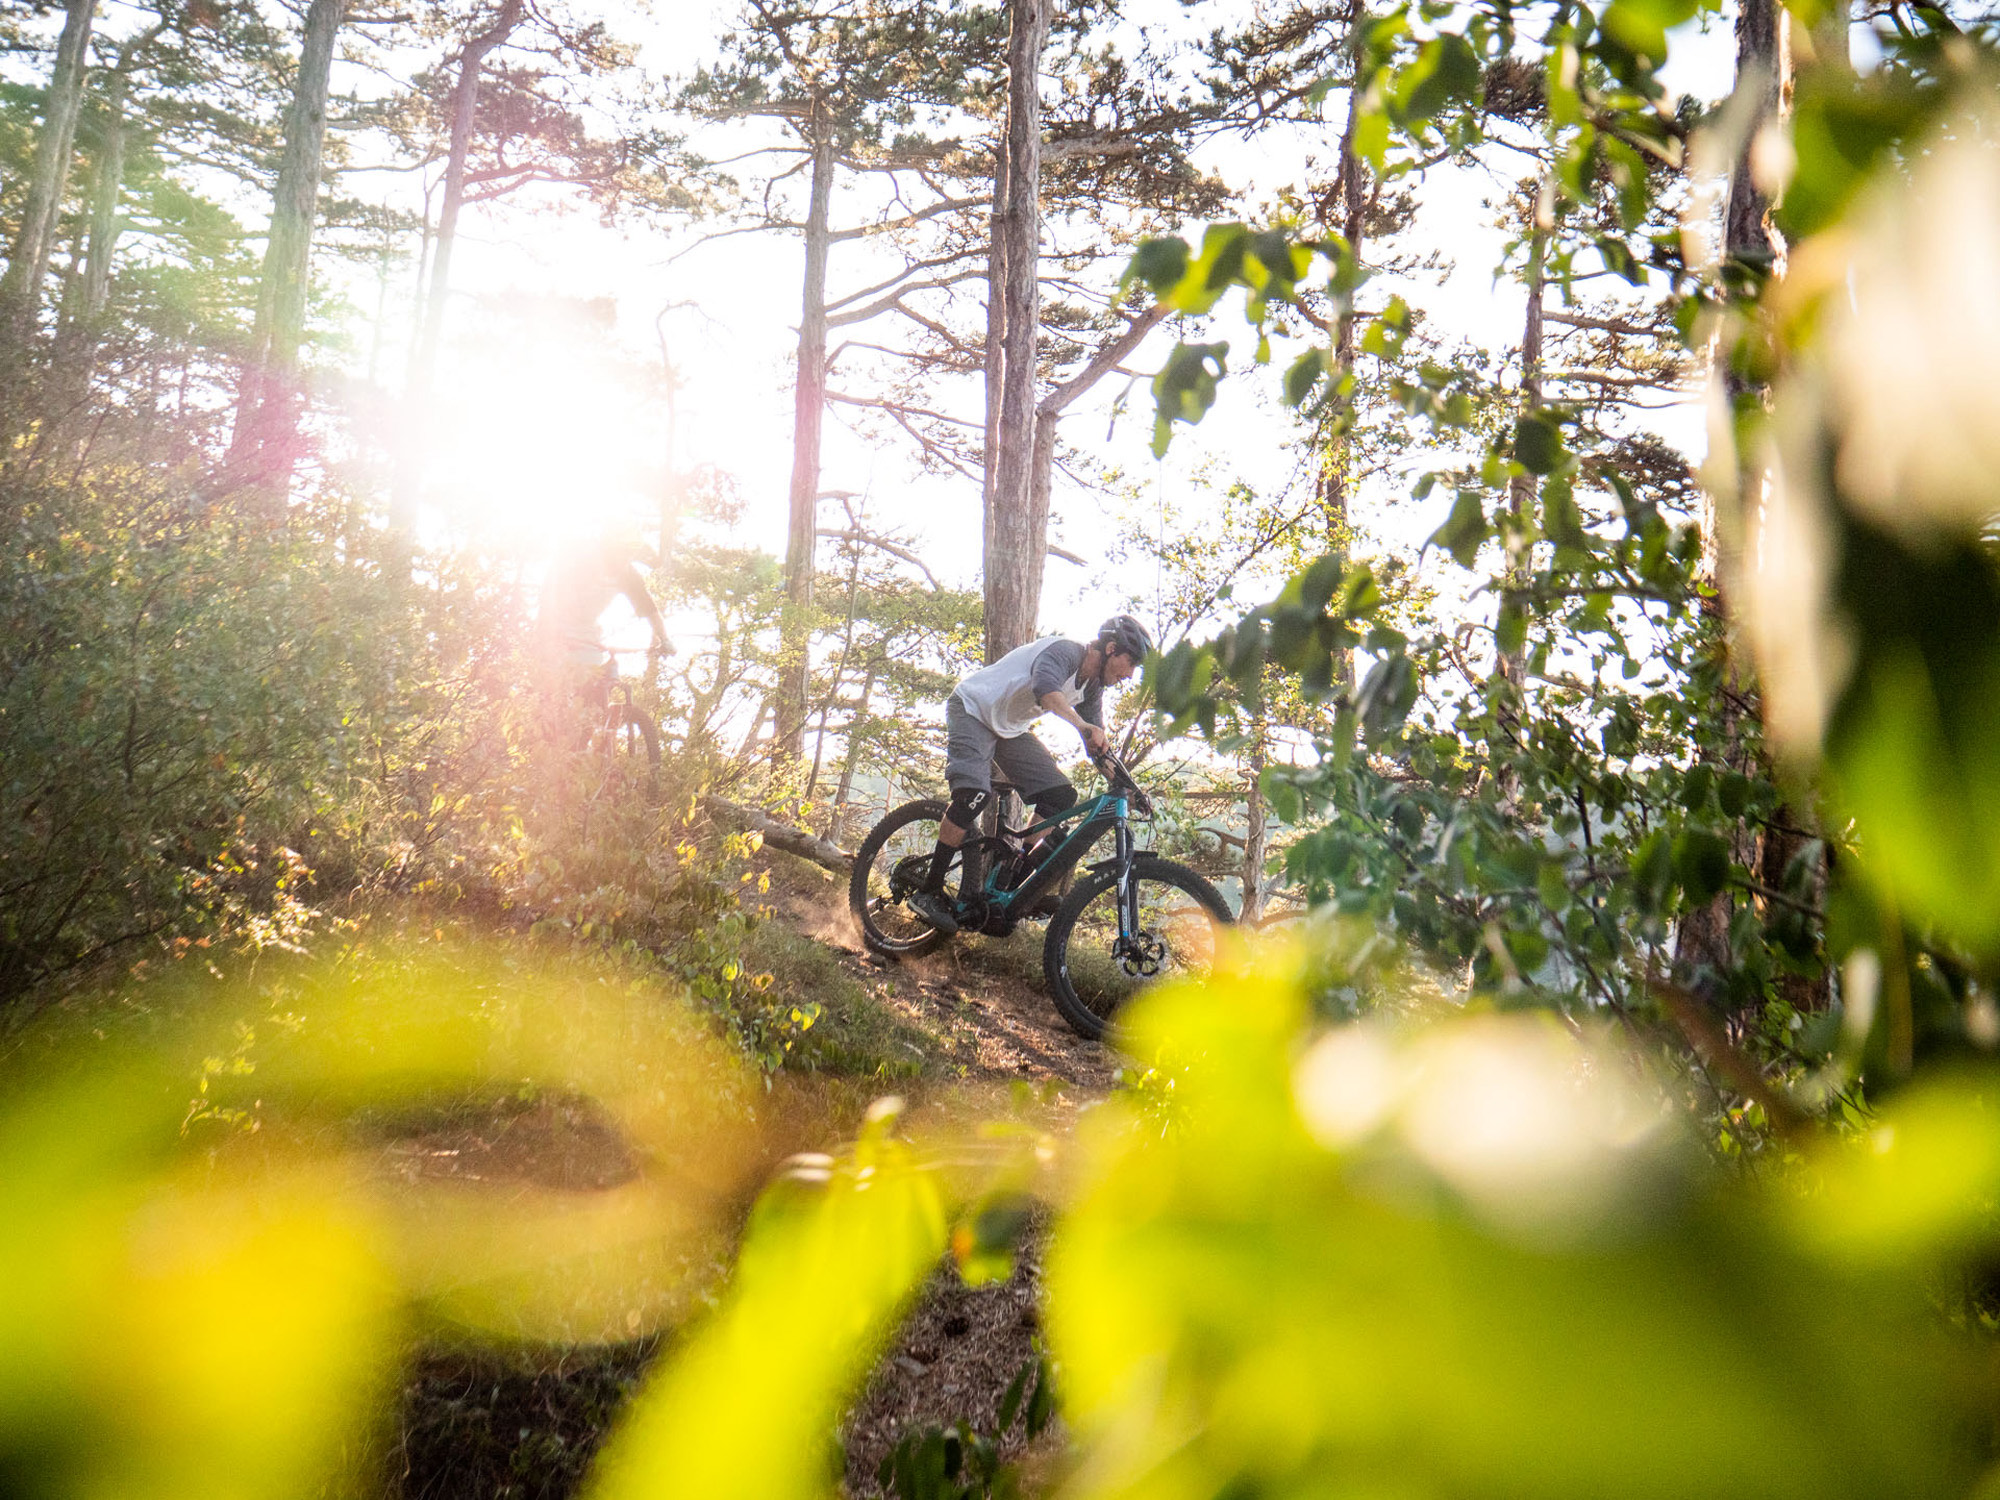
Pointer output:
972, 751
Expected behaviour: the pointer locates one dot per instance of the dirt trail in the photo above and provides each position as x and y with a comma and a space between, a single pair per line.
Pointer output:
983, 1026
955, 1355
983, 995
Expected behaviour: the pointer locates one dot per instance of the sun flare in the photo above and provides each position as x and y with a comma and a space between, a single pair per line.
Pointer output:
548, 430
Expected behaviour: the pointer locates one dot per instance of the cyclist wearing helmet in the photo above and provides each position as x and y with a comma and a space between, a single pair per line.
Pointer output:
988, 722
575, 672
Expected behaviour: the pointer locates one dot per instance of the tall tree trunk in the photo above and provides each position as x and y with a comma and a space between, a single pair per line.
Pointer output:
464, 115
808, 414
1015, 550
1257, 815
28, 260
108, 184
1512, 657
264, 446
1351, 203
996, 344
21, 287
107, 191
1702, 952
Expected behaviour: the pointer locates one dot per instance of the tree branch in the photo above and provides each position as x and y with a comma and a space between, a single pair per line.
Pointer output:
882, 544
909, 220
1106, 360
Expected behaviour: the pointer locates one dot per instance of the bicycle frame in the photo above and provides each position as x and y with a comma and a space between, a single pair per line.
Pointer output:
1109, 811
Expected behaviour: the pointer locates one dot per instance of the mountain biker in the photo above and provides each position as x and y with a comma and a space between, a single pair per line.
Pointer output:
988, 720
577, 670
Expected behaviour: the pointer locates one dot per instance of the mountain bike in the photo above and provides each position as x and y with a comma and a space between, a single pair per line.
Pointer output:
1128, 921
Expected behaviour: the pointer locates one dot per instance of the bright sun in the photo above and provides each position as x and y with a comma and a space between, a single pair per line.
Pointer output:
545, 430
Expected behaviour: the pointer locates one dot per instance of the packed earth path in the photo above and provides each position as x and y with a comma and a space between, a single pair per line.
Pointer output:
965, 1030
956, 1354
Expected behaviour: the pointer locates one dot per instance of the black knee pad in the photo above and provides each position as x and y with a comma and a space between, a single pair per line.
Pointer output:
967, 803
1057, 799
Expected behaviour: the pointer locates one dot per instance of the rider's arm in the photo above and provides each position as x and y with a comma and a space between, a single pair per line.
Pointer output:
1055, 668
633, 587
1093, 735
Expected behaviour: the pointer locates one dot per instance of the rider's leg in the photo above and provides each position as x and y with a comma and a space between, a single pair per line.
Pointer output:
1027, 764
929, 900
968, 771
967, 803
1048, 804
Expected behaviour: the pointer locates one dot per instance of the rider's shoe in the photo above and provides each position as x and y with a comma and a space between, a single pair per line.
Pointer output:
935, 908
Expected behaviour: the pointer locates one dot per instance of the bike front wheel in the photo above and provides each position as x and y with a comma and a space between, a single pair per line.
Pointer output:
887, 867
1092, 972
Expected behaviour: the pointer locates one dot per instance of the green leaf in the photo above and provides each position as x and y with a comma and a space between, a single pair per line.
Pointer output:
1538, 444
1314, 588
1528, 947
1186, 388
1010, 1404
1285, 799
1304, 376
1701, 864
1552, 884
1732, 794
1652, 869
1697, 785
1640, 26
1464, 530
1562, 522
1161, 263
1446, 72
1219, 266
1386, 696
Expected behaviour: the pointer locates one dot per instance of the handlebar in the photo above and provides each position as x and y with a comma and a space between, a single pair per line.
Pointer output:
1120, 776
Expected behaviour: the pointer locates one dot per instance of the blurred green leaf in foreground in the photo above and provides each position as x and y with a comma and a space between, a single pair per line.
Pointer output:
1484, 1258
1459, 1253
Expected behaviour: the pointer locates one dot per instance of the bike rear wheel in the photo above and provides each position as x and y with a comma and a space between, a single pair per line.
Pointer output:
889, 864
1181, 917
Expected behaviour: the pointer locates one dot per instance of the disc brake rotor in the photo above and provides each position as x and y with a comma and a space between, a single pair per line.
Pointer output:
1143, 956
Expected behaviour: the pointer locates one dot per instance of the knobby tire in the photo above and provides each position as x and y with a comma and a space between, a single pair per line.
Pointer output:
1089, 1002
868, 887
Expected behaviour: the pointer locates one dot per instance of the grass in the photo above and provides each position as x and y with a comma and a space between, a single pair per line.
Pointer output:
857, 1033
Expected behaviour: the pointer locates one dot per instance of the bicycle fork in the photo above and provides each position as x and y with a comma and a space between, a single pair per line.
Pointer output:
1128, 892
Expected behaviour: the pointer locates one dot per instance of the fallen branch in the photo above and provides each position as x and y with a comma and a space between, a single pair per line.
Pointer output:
781, 835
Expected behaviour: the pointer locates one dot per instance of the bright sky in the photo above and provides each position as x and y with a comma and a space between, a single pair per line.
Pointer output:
542, 437
548, 440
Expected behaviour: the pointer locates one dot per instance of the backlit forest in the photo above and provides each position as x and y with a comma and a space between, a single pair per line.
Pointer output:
497, 496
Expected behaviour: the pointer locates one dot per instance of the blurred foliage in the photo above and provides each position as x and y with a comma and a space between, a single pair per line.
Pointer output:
832, 1254
1487, 1258
1430, 1252
212, 1270
1709, 791
1747, 799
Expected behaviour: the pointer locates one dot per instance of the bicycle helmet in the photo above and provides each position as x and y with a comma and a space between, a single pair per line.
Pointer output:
1123, 633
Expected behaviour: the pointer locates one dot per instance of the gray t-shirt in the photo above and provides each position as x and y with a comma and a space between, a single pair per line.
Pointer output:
1007, 696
